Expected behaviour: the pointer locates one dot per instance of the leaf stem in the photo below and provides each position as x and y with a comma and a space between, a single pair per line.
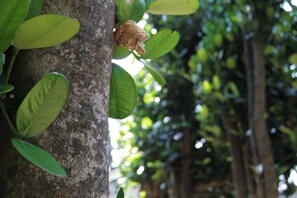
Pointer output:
11, 127
15, 51
139, 59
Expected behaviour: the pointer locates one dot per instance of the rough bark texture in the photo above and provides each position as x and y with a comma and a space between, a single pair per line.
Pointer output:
79, 137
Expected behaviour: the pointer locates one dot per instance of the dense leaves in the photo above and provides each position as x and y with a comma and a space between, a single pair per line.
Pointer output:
206, 93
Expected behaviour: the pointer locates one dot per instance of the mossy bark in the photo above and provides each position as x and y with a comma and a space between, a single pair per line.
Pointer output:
79, 137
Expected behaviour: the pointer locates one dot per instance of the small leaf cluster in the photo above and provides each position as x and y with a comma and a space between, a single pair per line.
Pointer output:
123, 94
22, 27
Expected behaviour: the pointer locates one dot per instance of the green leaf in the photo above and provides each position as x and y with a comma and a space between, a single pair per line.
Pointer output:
173, 7
42, 104
5, 88
45, 31
39, 157
160, 44
120, 52
157, 76
123, 93
121, 193
148, 2
2, 61
233, 88
35, 9
130, 9
12, 13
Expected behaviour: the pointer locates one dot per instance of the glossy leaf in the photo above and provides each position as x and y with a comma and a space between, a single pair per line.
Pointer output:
45, 31
130, 9
39, 157
157, 76
121, 193
160, 44
12, 13
5, 88
123, 93
173, 7
35, 9
120, 52
42, 105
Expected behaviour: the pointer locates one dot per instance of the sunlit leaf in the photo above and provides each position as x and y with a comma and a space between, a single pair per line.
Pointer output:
130, 10
39, 157
160, 44
121, 193
173, 7
12, 13
157, 76
45, 31
120, 52
42, 105
146, 122
123, 93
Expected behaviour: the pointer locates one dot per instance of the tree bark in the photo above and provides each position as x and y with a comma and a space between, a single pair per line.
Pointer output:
185, 176
238, 173
79, 137
249, 65
261, 133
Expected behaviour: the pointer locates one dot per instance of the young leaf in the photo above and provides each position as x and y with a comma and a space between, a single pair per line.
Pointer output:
173, 7
123, 93
161, 43
35, 9
12, 13
5, 88
39, 157
120, 52
130, 9
157, 76
121, 193
45, 31
42, 105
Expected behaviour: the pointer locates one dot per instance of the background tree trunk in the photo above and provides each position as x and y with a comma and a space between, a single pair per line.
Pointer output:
238, 173
249, 65
261, 133
79, 137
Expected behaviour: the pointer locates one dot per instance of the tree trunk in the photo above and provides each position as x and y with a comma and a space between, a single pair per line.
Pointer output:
79, 137
259, 137
185, 175
238, 173
261, 133
249, 65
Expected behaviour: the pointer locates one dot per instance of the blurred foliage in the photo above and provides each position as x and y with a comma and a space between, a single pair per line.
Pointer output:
206, 80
